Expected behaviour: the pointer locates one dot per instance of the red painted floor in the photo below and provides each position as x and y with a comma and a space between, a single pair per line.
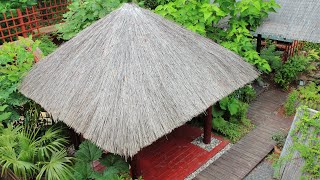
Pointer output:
174, 157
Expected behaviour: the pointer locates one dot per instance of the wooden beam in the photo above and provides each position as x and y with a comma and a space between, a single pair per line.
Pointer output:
259, 39
207, 126
135, 168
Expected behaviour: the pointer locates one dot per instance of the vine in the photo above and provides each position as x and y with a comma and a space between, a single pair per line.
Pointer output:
305, 137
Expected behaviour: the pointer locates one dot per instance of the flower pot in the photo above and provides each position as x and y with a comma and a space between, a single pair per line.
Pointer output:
277, 150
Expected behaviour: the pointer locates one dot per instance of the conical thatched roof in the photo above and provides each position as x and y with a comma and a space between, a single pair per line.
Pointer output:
132, 77
296, 19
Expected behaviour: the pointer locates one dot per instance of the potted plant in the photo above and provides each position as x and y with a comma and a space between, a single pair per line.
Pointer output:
280, 139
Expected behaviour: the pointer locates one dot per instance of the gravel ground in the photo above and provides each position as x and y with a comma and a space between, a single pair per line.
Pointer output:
263, 171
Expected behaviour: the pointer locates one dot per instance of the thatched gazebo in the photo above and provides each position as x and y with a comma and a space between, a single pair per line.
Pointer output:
296, 20
133, 77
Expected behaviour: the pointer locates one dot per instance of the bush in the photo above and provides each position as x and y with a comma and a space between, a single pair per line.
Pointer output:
15, 62
230, 118
289, 71
273, 57
82, 13
46, 45
306, 95
280, 139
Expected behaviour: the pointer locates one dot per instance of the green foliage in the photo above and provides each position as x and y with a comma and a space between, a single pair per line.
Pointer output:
151, 4
273, 57
200, 15
307, 46
31, 155
15, 62
289, 70
305, 138
245, 94
46, 45
306, 95
82, 13
230, 118
280, 139
117, 168
6, 5
290, 104
196, 15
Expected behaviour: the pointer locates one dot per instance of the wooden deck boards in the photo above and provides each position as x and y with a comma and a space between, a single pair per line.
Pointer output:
251, 149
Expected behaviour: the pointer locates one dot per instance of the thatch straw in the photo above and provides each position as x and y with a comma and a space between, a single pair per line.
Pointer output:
296, 19
132, 77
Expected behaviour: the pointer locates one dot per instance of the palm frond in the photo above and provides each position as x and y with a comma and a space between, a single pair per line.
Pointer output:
9, 159
57, 168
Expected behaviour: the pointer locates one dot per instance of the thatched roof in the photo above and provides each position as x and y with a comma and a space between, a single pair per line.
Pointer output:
132, 77
296, 19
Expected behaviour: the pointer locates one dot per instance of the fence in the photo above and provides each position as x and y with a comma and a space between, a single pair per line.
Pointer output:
25, 22
291, 49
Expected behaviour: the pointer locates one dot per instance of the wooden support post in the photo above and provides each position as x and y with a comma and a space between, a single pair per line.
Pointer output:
259, 39
135, 168
207, 126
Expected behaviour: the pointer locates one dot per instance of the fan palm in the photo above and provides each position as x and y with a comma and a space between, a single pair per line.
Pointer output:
28, 155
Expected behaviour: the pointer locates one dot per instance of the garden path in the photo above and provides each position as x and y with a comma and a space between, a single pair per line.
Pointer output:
265, 113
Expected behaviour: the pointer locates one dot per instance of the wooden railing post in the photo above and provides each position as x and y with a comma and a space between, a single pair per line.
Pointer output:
22, 24
259, 39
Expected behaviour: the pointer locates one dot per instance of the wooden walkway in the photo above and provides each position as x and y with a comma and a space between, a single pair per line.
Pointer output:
251, 149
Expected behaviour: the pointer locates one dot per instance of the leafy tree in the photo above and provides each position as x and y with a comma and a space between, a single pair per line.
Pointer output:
205, 18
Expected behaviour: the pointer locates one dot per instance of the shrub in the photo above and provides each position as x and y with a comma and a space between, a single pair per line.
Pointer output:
230, 118
306, 95
290, 104
280, 139
46, 45
289, 71
273, 57
15, 62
